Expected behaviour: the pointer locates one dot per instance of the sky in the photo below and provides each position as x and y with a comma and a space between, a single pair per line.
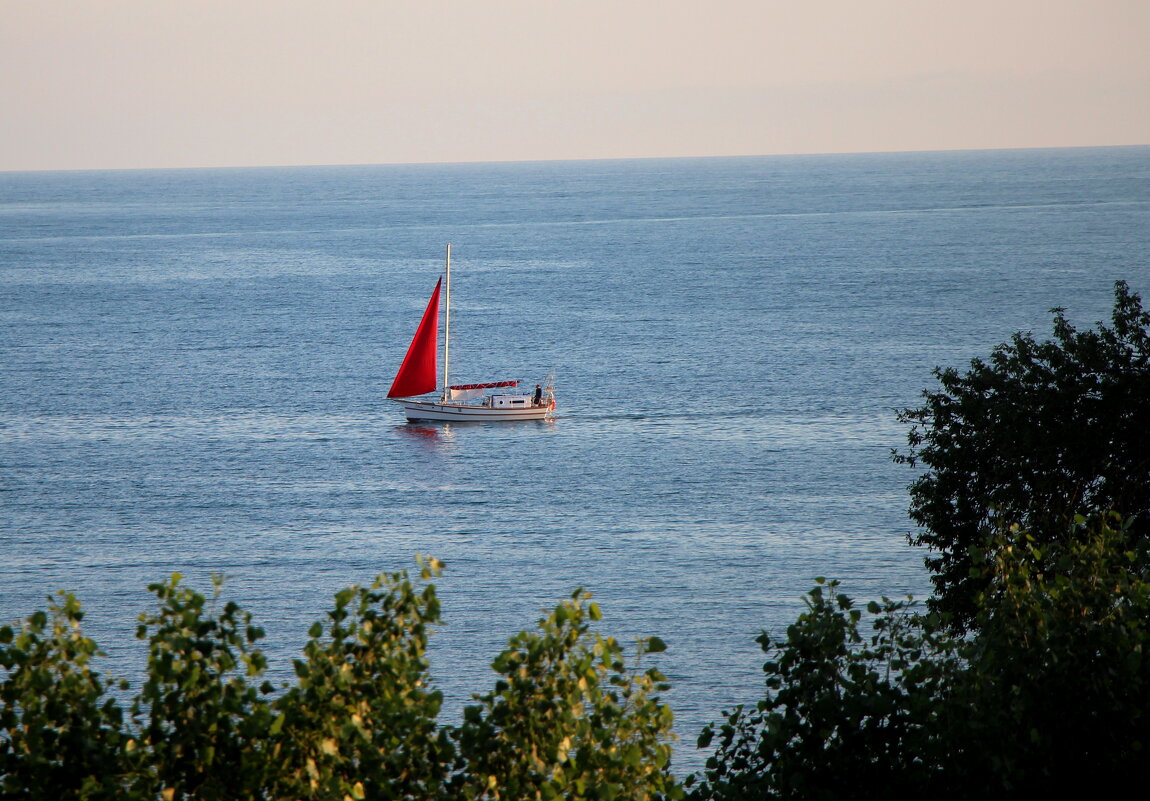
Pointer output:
109, 84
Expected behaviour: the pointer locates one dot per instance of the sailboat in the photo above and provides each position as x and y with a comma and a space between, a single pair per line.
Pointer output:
462, 402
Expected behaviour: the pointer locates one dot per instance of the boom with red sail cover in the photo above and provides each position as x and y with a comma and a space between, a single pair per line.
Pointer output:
416, 375
488, 385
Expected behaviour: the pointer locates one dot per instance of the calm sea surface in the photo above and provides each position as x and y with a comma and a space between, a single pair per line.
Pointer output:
193, 367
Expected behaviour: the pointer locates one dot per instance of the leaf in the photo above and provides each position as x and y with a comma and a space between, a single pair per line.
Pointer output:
654, 645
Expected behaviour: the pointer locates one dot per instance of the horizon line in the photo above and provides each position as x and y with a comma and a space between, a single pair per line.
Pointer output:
451, 163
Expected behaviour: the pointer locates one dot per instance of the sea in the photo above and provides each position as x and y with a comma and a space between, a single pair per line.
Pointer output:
194, 367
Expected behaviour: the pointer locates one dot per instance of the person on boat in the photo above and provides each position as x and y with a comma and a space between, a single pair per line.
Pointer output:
538, 399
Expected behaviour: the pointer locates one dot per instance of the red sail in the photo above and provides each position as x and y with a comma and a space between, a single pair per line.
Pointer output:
416, 375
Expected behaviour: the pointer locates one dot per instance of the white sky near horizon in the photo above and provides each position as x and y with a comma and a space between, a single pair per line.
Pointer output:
90, 84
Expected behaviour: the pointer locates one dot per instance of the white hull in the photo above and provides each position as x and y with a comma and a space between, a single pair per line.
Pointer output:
471, 413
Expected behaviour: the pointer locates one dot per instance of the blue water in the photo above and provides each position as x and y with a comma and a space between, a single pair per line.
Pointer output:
193, 367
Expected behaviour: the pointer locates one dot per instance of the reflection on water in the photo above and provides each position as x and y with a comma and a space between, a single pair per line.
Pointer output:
422, 431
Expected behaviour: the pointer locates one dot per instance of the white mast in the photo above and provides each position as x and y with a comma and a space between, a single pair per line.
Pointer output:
447, 325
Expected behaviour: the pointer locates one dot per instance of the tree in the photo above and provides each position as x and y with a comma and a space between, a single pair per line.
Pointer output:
1052, 692
568, 718
1039, 433
1057, 693
845, 715
200, 722
361, 721
61, 735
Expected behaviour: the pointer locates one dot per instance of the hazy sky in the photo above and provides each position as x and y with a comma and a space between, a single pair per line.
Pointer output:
160, 83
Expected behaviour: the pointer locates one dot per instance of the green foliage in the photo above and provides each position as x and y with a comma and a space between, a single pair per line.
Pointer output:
1039, 433
360, 722
202, 723
61, 736
1059, 690
1053, 692
567, 718
845, 715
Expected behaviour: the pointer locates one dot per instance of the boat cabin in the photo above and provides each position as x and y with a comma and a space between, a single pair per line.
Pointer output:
510, 401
